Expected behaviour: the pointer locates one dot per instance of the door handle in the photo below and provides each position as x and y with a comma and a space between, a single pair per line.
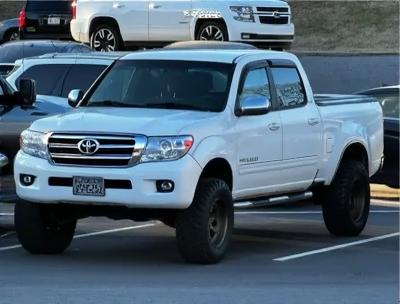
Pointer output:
154, 6
313, 121
118, 5
274, 126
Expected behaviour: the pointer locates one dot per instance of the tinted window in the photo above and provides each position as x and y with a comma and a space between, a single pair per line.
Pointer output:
289, 87
164, 84
255, 83
81, 76
48, 77
55, 6
1, 90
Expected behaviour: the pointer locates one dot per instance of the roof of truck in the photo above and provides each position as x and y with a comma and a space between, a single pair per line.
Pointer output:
209, 55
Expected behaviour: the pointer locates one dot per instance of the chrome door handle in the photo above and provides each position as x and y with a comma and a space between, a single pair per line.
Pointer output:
274, 126
118, 5
154, 6
313, 121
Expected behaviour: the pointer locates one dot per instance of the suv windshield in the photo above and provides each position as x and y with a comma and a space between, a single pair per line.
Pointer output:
164, 84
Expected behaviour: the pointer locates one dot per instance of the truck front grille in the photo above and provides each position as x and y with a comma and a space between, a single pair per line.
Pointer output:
102, 150
273, 15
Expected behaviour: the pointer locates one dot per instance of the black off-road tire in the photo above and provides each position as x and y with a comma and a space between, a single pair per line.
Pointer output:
194, 226
213, 24
40, 229
118, 44
346, 201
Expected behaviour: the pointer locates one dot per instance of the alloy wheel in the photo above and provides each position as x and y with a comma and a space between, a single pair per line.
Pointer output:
212, 32
104, 40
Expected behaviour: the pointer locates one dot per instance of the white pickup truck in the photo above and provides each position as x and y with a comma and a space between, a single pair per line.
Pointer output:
112, 25
185, 136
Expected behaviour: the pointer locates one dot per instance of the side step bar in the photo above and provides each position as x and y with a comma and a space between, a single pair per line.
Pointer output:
270, 201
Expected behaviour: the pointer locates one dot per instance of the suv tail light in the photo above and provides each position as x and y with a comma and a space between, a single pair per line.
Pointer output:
73, 9
22, 18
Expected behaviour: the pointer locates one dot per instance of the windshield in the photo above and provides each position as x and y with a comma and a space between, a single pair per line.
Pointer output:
164, 84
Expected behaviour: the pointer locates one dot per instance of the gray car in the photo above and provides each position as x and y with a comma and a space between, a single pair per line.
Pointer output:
9, 30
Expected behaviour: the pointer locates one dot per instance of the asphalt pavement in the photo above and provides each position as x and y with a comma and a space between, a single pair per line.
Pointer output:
278, 255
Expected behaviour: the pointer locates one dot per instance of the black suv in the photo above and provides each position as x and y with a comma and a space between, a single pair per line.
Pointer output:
45, 19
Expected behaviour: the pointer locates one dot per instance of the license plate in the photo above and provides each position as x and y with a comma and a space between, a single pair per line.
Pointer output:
88, 186
53, 21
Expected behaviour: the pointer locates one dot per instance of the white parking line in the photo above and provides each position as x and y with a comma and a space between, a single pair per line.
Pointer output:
322, 250
306, 212
6, 214
84, 235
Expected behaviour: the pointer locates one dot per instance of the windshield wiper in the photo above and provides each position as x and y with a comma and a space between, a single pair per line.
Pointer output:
111, 103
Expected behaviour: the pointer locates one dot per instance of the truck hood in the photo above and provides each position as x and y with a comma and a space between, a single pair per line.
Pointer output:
150, 122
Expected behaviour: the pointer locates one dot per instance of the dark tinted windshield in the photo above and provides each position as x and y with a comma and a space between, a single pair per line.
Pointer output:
55, 6
390, 104
165, 84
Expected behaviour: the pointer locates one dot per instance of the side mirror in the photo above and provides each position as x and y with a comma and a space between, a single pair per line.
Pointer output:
74, 97
27, 88
254, 105
3, 160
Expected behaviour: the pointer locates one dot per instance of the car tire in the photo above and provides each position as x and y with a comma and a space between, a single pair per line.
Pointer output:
346, 201
212, 31
40, 229
106, 38
11, 35
204, 230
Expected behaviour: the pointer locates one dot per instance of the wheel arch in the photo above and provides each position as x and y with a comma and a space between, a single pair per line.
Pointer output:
101, 20
220, 168
200, 21
354, 150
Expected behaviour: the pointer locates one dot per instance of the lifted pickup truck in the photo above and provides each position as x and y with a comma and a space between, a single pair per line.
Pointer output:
186, 136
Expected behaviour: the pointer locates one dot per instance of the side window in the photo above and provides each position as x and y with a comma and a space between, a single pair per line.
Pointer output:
255, 83
1, 90
289, 87
81, 76
48, 77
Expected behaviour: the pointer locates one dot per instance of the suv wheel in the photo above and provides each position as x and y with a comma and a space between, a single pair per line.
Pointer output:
41, 229
12, 35
212, 30
204, 230
106, 38
346, 201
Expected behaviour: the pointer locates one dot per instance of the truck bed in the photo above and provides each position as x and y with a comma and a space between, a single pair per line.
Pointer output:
338, 99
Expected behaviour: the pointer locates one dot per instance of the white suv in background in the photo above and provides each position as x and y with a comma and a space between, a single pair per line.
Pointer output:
110, 25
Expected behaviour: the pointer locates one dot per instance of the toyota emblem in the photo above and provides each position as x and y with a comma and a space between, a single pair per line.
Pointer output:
88, 146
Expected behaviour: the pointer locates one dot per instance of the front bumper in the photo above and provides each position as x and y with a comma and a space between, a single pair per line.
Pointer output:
185, 173
257, 32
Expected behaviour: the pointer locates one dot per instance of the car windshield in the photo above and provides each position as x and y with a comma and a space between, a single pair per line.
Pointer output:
164, 84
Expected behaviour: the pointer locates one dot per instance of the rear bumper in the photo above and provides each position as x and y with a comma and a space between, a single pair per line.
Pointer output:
79, 30
23, 34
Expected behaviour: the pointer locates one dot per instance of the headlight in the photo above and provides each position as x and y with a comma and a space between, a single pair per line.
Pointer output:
166, 148
243, 13
34, 143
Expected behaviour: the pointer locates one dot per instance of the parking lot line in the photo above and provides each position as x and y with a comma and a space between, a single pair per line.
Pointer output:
6, 214
336, 247
78, 236
306, 212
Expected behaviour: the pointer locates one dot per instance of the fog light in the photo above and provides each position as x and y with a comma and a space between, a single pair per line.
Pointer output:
26, 179
165, 186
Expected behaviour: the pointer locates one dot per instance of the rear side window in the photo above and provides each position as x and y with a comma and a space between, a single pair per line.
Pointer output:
289, 87
48, 77
255, 83
81, 76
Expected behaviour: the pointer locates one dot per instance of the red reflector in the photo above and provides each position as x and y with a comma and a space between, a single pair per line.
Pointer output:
73, 5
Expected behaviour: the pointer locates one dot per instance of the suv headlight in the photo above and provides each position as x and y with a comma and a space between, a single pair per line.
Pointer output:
166, 148
34, 143
243, 13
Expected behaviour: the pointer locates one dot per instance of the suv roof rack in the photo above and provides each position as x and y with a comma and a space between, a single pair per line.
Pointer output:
209, 45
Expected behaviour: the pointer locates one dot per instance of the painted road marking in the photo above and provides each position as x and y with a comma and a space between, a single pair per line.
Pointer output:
336, 247
306, 212
84, 235
6, 214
